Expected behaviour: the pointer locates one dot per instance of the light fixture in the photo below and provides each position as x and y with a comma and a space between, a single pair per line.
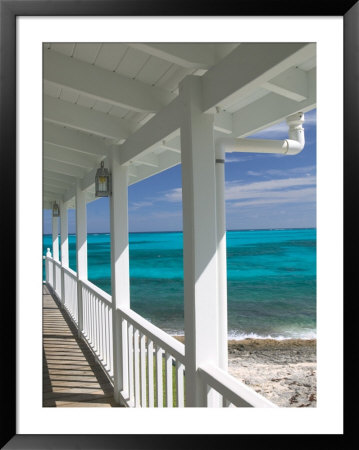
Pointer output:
102, 182
55, 210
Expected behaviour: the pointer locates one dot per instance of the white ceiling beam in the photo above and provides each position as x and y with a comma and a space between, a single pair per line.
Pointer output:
163, 124
190, 56
55, 183
171, 148
272, 109
147, 160
49, 188
50, 174
84, 119
69, 194
292, 84
63, 168
48, 193
65, 155
102, 84
223, 122
74, 140
248, 67
166, 161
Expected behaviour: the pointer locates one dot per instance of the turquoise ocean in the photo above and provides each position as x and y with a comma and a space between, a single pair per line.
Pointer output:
271, 279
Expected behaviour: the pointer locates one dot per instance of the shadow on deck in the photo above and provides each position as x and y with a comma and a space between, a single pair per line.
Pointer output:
71, 375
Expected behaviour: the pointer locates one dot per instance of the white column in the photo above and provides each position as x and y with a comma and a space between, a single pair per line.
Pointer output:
55, 238
64, 234
55, 248
64, 246
221, 261
120, 273
199, 239
81, 249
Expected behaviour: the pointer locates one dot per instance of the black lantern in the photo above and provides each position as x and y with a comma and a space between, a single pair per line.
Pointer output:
55, 210
102, 182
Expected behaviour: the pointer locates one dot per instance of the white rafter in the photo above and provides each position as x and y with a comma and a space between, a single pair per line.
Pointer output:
62, 154
84, 119
247, 68
292, 84
189, 56
63, 168
74, 140
271, 109
102, 84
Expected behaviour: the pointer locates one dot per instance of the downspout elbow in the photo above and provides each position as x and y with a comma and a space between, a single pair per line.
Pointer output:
296, 141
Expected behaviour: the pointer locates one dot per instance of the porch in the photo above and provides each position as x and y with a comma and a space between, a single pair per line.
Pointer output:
94, 112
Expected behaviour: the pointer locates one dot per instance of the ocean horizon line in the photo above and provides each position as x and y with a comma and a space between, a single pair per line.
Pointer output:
181, 231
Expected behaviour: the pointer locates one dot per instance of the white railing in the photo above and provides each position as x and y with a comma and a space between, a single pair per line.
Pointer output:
152, 363
232, 391
97, 323
70, 293
57, 278
49, 267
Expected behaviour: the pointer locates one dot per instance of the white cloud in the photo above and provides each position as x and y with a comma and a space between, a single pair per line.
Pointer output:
287, 190
138, 205
175, 195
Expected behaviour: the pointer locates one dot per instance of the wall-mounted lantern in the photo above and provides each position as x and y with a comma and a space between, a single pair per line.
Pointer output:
102, 182
55, 210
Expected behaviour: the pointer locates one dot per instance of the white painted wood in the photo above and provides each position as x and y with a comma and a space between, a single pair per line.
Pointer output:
74, 140
143, 370
136, 349
179, 384
292, 83
158, 336
221, 262
151, 387
81, 248
55, 238
248, 67
104, 85
84, 119
159, 377
169, 381
120, 275
55, 153
184, 55
233, 390
160, 127
199, 238
131, 380
271, 109
63, 168
64, 234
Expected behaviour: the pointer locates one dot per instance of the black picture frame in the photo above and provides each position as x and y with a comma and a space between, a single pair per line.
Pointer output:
9, 10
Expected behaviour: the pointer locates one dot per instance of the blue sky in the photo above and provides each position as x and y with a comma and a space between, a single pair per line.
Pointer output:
262, 191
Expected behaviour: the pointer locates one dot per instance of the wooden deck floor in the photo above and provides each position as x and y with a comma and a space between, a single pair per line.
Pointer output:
71, 375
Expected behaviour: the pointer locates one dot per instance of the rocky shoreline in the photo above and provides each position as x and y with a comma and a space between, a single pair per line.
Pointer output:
283, 371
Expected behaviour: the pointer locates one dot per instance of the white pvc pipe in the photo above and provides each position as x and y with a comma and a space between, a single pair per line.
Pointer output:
291, 146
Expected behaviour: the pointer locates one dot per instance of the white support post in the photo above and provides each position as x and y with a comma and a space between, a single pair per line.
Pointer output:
55, 247
64, 246
48, 255
199, 240
81, 249
221, 261
64, 234
120, 273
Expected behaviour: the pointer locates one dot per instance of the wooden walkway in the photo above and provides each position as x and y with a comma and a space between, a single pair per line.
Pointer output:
71, 375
